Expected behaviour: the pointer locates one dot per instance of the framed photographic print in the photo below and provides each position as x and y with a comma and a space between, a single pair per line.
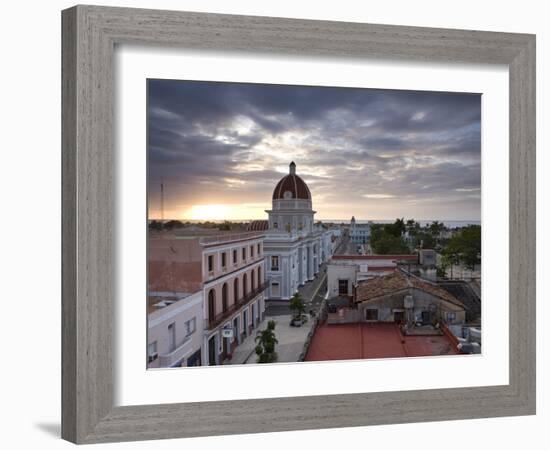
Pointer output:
319, 224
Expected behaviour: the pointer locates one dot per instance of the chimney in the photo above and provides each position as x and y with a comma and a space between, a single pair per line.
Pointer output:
292, 168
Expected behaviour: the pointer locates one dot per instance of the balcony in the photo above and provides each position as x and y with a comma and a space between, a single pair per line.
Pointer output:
168, 359
213, 322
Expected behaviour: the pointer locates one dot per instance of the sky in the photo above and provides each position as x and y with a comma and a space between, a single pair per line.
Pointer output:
220, 148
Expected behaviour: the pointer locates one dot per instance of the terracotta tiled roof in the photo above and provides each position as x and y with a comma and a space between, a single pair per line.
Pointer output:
171, 276
258, 225
397, 281
174, 265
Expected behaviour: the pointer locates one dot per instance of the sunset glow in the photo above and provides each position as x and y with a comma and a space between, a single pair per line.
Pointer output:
209, 212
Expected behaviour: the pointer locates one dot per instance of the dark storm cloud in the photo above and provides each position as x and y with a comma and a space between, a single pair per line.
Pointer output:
356, 145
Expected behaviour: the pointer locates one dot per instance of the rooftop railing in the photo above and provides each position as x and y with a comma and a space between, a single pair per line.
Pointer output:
230, 237
213, 322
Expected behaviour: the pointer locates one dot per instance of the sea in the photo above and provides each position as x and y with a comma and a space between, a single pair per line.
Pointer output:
423, 222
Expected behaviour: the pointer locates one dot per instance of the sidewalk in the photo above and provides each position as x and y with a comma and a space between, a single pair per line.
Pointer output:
290, 346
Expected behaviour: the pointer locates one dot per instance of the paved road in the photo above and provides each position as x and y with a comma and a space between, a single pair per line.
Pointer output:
290, 346
312, 292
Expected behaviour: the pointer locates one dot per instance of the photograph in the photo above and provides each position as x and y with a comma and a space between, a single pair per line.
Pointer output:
308, 223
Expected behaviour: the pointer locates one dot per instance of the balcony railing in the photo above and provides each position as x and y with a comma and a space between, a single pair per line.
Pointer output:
213, 322
175, 355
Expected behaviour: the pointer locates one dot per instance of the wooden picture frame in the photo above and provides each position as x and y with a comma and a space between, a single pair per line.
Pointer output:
90, 34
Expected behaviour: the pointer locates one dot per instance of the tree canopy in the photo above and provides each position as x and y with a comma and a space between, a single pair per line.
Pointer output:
464, 247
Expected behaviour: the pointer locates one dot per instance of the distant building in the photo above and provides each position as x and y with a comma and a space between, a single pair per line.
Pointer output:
359, 232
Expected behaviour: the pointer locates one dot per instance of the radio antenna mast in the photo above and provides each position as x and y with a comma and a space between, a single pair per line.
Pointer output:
162, 201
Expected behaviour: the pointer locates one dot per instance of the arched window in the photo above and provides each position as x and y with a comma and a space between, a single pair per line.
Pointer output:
259, 276
245, 285
235, 290
224, 297
211, 304
253, 280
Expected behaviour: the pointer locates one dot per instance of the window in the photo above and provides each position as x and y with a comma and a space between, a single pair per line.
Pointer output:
235, 290
275, 225
234, 256
244, 253
288, 228
224, 260
259, 249
152, 351
372, 314
172, 336
210, 263
211, 304
451, 316
224, 297
275, 290
274, 263
245, 284
191, 326
252, 251
342, 287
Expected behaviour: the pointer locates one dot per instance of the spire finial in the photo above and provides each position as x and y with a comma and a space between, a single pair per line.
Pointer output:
292, 168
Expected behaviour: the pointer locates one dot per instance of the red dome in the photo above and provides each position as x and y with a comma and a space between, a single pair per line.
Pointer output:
293, 184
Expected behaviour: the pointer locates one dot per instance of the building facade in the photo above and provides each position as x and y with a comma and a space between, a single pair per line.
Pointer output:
359, 232
345, 271
233, 269
295, 247
174, 330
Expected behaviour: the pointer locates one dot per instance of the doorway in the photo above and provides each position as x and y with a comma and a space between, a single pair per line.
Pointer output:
212, 351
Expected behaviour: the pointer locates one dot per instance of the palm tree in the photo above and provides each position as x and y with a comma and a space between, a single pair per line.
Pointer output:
297, 306
436, 227
400, 226
266, 344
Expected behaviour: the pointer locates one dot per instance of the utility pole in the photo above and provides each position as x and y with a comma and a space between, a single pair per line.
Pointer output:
162, 201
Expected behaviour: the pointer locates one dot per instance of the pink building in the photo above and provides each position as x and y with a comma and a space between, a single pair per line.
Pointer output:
205, 295
233, 273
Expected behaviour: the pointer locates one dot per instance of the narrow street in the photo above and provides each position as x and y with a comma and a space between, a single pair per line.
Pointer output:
312, 293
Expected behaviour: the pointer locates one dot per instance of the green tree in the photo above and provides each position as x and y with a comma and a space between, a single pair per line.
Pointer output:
436, 228
225, 226
464, 247
266, 341
297, 306
399, 226
412, 227
471, 246
388, 244
155, 225
424, 240
171, 224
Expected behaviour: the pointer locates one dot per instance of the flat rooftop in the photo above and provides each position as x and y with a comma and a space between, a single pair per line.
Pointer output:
373, 340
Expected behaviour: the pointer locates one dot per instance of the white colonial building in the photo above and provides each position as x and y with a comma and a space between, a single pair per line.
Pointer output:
359, 232
294, 246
